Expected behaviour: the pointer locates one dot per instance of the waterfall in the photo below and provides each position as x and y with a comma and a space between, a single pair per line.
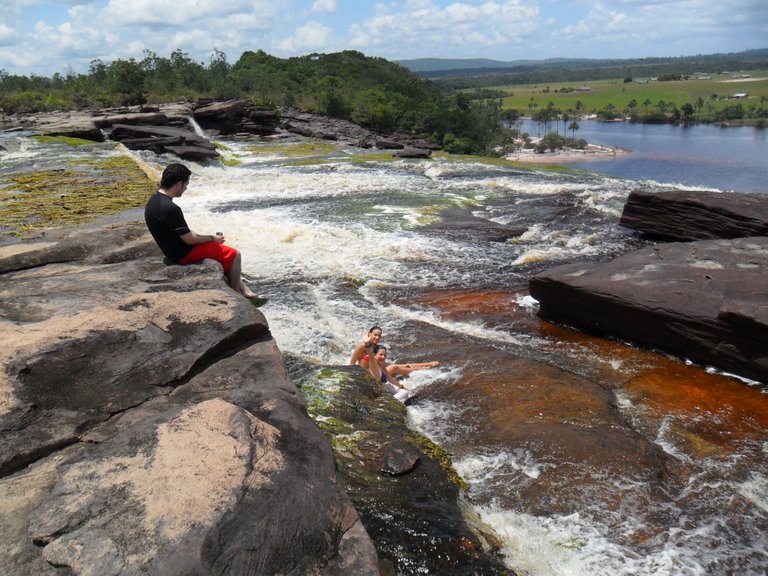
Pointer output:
196, 127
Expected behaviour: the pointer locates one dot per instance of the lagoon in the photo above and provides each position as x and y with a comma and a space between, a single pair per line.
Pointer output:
699, 156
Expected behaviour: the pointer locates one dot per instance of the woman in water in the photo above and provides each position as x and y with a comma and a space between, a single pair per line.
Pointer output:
377, 369
361, 356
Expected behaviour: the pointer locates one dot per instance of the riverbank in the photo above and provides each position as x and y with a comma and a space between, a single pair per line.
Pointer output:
567, 155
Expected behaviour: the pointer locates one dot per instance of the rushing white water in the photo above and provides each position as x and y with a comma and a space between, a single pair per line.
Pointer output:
345, 243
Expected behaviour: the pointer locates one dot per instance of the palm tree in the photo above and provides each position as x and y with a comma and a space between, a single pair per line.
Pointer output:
646, 103
573, 126
532, 106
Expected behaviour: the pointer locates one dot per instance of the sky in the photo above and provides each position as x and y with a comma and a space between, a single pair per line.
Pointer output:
43, 37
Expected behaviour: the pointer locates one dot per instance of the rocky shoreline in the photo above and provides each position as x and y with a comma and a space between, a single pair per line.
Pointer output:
176, 128
150, 426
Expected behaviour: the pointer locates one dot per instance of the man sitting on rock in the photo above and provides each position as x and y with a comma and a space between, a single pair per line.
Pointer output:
181, 245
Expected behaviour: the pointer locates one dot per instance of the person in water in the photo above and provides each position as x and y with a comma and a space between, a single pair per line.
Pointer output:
181, 245
361, 356
377, 369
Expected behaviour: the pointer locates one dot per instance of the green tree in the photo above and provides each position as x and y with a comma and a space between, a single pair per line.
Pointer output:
125, 78
329, 97
646, 104
573, 126
687, 112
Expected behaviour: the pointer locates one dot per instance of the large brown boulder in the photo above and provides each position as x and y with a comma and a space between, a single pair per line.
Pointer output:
706, 301
90, 124
233, 116
149, 425
160, 139
696, 215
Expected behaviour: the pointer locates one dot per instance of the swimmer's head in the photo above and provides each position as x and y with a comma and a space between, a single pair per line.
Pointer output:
380, 352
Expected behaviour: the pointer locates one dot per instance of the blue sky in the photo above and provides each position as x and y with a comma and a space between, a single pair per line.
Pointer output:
47, 36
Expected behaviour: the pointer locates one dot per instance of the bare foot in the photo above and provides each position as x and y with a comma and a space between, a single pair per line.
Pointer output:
434, 363
247, 292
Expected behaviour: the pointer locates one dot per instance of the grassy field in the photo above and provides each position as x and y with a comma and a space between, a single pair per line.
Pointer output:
616, 92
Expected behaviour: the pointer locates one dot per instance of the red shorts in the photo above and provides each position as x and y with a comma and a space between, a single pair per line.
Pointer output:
222, 253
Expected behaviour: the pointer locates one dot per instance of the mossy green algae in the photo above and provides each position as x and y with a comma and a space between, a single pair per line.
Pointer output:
82, 190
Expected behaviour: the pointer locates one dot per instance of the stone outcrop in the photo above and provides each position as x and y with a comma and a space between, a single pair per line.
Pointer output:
463, 224
326, 128
182, 142
149, 424
92, 124
706, 301
402, 485
696, 215
168, 128
235, 116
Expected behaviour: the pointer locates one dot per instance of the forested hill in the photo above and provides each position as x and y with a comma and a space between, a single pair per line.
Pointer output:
373, 92
447, 71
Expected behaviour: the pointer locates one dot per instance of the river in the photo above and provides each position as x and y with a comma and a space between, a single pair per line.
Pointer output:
703, 155
586, 456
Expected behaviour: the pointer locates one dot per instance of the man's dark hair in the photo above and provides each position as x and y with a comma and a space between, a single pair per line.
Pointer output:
174, 173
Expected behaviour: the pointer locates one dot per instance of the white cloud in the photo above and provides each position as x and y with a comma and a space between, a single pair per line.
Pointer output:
73, 32
421, 28
312, 37
8, 35
328, 6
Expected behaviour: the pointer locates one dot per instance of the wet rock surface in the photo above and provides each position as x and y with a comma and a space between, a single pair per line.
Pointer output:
706, 301
696, 215
149, 425
415, 517
182, 142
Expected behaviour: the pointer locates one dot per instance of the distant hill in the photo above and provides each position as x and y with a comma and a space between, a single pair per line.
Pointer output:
584, 68
420, 65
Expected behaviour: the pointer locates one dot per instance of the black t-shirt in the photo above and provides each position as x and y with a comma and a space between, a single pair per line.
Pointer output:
166, 223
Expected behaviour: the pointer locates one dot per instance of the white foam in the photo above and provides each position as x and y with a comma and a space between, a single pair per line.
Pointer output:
429, 418
480, 468
528, 302
755, 489
571, 546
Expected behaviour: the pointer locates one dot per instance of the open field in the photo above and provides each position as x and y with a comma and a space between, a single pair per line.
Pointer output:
616, 92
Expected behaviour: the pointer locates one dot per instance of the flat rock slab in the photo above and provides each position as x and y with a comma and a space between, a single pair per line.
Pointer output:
148, 425
706, 301
696, 215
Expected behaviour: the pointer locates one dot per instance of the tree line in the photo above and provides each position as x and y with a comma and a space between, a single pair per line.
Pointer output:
581, 70
373, 92
706, 110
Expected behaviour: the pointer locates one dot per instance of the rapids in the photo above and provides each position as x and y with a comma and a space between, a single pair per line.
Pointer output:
586, 456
